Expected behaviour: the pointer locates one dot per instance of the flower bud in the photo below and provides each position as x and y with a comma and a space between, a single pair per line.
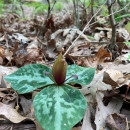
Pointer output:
59, 70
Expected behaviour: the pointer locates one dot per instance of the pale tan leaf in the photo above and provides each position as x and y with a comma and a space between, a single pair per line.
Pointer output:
113, 75
8, 54
10, 113
65, 32
102, 111
117, 122
87, 120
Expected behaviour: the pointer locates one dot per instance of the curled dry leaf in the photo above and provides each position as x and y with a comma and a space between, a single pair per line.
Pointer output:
102, 111
109, 34
122, 68
93, 61
102, 54
69, 37
2, 95
47, 35
8, 54
49, 23
117, 122
87, 120
112, 77
33, 50
123, 33
51, 46
98, 36
5, 71
9, 98
89, 61
56, 33
2, 38
26, 106
70, 34
11, 114
66, 31
20, 37
126, 113
2, 54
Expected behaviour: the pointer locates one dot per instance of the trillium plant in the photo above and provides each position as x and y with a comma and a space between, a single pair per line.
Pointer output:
58, 106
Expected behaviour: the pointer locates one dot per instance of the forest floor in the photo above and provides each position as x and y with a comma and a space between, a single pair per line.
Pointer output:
40, 40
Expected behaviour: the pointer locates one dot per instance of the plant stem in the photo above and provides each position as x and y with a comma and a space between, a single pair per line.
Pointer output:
23, 15
50, 8
92, 10
113, 24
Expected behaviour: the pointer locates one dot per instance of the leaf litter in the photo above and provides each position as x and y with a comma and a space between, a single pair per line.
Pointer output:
25, 42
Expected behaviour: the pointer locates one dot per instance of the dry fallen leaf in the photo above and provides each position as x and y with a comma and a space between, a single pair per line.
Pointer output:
96, 85
112, 76
117, 122
87, 120
102, 111
50, 54
11, 114
33, 50
102, 54
8, 55
26, 106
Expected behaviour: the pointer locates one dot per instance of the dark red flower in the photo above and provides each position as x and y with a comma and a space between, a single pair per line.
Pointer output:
59, 70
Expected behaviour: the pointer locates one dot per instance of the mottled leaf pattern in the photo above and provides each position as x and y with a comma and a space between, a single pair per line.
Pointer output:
59, 107
85, 75
29, 78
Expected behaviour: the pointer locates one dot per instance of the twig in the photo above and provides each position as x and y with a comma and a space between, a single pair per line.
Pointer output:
50, 8
113, 24
73, 43
21, 6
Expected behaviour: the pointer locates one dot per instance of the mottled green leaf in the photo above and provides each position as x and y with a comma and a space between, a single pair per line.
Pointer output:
59, 107
85, 75
29, 78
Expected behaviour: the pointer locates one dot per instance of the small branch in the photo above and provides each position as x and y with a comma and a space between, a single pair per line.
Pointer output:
113, 24
50, 8
75, 15
23, 15
92, 9
53, 5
